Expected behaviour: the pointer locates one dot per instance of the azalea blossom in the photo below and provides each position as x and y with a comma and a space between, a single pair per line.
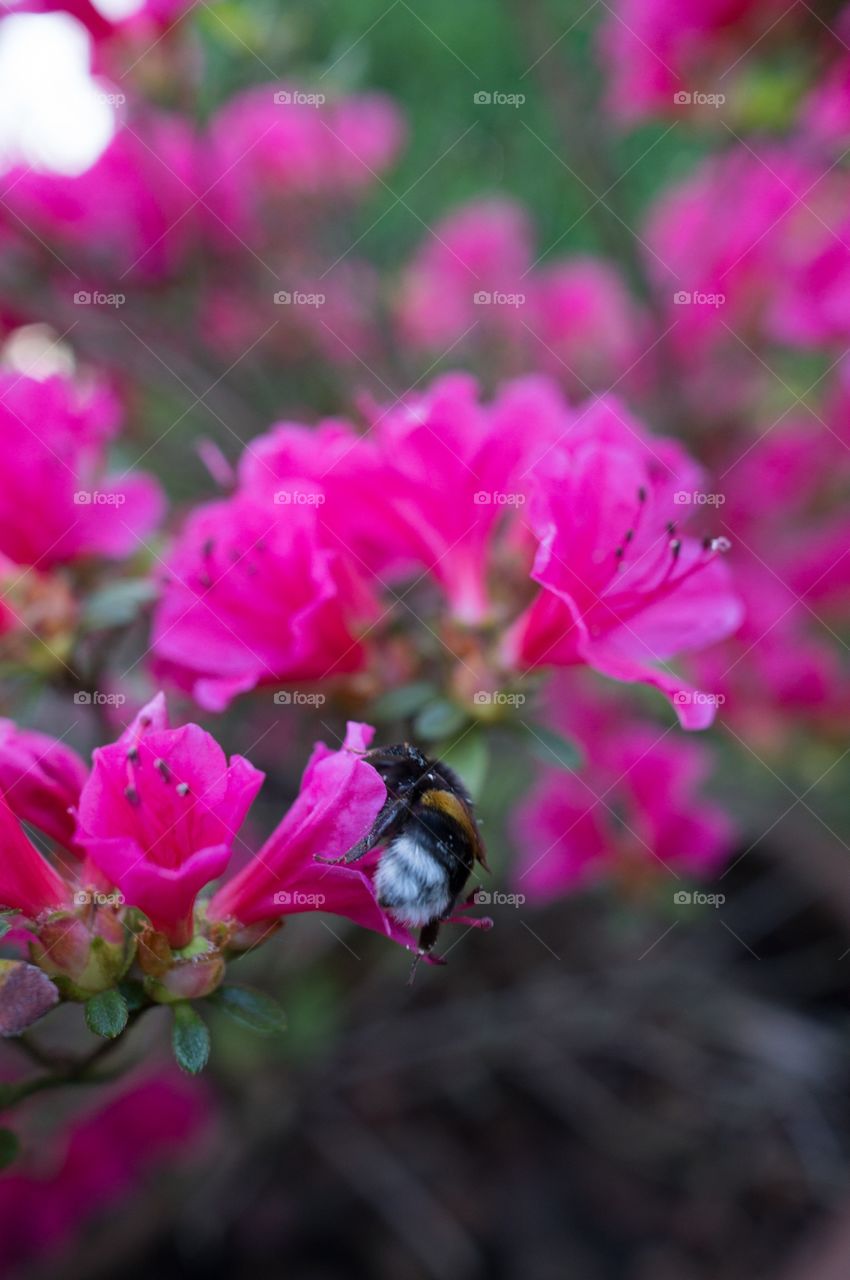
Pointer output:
255, 593
131, 216
654, 49
633, 813
98, 1161
59, 503
159, 815
339, 798
41, 779
28, 882
273, 146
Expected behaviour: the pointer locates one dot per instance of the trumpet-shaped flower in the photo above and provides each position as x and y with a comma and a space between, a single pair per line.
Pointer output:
339, 799
159, 815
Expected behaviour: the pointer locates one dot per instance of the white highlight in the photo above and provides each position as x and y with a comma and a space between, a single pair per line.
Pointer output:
53, 115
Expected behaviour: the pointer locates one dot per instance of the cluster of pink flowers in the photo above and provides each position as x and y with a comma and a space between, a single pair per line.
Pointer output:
548, 532
632, 814
660, 56
474, 285
151, 824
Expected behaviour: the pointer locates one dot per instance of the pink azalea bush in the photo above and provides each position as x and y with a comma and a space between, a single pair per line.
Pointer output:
512, 491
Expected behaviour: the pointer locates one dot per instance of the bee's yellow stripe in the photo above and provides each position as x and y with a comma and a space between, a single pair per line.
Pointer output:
453, 807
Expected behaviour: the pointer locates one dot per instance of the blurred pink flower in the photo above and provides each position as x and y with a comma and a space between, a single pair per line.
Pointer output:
257, 593
481, 249
28, 883
718, 277
653, 49
585, 325
130, 216
632, 811
339, 799
277, 144
624, 588
41, 779
101, 1161
159, 815
56, 503
103, 20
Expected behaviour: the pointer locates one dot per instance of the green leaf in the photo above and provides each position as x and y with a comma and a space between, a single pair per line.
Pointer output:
406, 700
106, 1014
190, 1039
9, 1147
117, 604
6, 918
440, 719
551, 747
469, 757
253, 1009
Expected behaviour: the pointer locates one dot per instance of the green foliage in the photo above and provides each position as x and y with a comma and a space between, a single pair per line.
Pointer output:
190, 1039
252, 1009
106, 1014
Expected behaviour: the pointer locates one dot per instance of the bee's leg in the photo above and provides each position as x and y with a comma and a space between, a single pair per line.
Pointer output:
427, 940
382, 827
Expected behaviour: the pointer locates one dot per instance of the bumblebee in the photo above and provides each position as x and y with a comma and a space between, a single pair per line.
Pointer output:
430, 840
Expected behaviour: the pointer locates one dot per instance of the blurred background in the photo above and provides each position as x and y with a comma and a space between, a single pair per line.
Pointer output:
633, 1076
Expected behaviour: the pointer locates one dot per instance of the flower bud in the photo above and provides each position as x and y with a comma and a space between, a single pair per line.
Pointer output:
83, 954
194, 972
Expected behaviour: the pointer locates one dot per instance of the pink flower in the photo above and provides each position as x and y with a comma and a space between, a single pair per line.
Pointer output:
56, 504
273, 146
28, 883
633, 811
482, 248
653, 49
624, 589
97, 1164
257, 593
716, 274
159, 815
586, 327
41, 779
129, 216
339, 799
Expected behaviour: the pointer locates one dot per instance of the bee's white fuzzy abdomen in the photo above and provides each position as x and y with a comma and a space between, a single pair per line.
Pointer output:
410, 883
